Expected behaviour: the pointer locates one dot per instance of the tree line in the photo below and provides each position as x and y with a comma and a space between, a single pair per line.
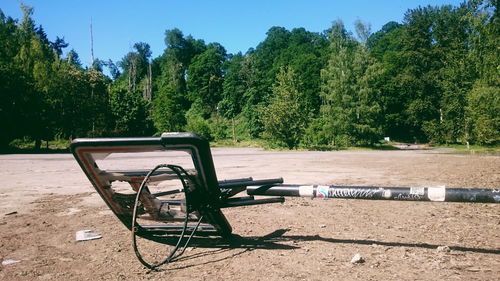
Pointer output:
432, 78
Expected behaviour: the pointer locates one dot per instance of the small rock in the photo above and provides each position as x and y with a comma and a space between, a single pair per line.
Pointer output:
322, 225
443, 249
357, 259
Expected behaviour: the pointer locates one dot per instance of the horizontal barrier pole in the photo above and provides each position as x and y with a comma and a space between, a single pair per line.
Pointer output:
248, 182
242, 203
437, 194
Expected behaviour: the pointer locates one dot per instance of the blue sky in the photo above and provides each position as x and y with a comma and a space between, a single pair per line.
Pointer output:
237, 25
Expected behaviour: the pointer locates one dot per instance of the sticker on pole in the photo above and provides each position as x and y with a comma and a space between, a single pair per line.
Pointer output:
306, 191
420, 191
322, 191
436, 193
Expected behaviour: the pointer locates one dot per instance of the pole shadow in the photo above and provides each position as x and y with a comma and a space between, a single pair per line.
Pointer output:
278, 240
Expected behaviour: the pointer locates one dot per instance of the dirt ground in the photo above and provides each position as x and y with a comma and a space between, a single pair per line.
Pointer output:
45, 199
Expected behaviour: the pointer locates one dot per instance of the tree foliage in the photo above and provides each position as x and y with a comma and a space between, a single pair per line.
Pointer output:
285, 118
434, 77
350, 111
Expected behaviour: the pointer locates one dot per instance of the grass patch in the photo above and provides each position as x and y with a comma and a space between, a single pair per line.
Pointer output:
462, 148
377, 146
258, 143
242, 143
27, 146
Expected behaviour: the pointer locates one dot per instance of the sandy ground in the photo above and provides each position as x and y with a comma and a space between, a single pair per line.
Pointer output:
45, 199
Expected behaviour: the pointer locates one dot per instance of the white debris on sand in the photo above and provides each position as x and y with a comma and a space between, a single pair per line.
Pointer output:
357, 259
443, 249
8, 262
87, 234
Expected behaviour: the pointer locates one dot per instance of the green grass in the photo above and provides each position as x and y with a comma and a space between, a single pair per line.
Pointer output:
242, 143
377, 146
258, 143
62, 145
462, 148
28, 146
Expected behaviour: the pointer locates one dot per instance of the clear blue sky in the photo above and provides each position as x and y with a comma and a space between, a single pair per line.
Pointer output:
237, 25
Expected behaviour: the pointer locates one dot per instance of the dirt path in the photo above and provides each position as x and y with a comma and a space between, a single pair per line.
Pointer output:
45, 199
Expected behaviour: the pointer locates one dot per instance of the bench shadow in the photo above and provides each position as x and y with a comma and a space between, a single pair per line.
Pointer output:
277, 240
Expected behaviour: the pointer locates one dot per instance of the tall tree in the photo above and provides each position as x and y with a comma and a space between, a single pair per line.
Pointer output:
286, 117
350, 112
171, 101
34, 58
205, 79
130, 112
135, 65
454, 77
483, 101
13, 85
233, 87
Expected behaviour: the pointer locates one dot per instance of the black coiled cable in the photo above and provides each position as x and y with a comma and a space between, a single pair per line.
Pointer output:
179, 171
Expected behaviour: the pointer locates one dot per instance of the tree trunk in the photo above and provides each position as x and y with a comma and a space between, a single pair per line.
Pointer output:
234, 131
38, 143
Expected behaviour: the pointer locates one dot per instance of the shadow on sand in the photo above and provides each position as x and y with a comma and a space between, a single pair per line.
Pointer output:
277, 240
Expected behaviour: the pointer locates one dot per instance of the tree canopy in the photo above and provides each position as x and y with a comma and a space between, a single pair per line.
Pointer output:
434, 77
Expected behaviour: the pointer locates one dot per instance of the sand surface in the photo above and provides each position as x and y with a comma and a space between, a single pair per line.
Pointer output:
45, 199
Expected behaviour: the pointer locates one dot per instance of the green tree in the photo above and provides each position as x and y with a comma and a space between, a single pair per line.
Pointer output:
418, 78
385, 40
233, 87
171, 102
130, 112
338, 87
168, 111
34, 58
286, 117
204, 83
350, 112
302, 51
454, 77
410, 95
368, 125
306, 54
79, 100
135, 65
46, 96
13, 85
483, 101
233, 90
483, 115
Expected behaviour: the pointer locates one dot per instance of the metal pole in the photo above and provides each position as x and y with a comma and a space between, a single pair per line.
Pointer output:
439, 194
